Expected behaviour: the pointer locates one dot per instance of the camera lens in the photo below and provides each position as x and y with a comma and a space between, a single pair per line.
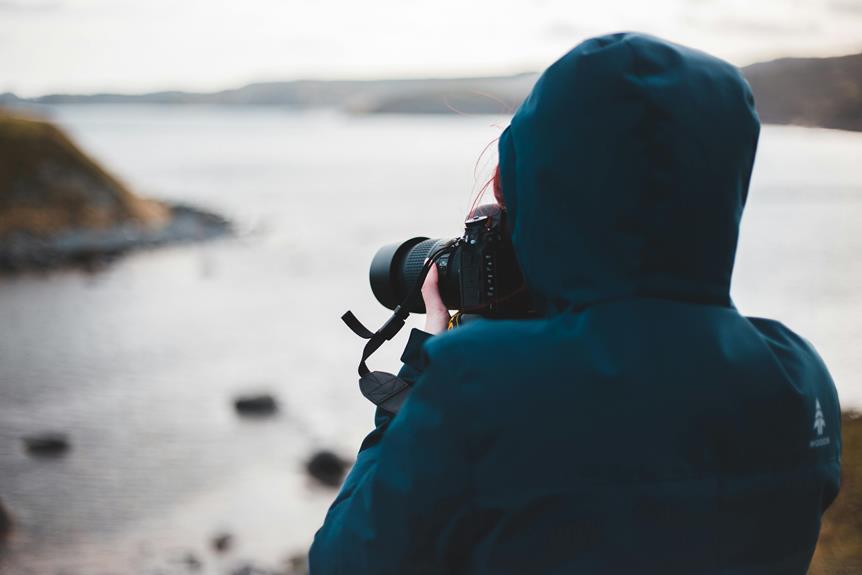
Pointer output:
396, 267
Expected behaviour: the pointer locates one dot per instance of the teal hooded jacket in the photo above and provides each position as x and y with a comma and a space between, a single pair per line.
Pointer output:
641, 424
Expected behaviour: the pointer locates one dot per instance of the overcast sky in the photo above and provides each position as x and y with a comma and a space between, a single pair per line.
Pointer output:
142, 45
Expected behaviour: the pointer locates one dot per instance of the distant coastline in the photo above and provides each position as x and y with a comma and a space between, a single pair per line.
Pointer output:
814, 92
485, 95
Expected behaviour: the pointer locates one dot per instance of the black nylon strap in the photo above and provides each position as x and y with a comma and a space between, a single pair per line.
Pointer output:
396, 321
373, 345
356, 326
392, 326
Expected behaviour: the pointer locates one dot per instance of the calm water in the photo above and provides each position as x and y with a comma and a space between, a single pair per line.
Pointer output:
139, 363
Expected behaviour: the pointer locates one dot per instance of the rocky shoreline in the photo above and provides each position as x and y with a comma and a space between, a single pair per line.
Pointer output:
93, 248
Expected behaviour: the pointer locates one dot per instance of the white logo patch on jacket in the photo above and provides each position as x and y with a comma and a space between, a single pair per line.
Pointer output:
819, 424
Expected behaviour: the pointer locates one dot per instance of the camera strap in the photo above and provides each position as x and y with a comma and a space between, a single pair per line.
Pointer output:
379, 387
375, 339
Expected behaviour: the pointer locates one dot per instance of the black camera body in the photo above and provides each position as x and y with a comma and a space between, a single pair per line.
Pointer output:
477, 273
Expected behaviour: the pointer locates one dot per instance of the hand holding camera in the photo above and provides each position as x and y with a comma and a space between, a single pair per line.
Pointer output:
436, 314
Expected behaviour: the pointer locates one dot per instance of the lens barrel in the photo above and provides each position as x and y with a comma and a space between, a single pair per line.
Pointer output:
396, 267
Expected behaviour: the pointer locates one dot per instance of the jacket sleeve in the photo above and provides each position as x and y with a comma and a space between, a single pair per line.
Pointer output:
412, 358
404, 506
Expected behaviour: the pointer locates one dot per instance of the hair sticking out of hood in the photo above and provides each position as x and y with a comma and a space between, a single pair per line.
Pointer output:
625, 173
480, 193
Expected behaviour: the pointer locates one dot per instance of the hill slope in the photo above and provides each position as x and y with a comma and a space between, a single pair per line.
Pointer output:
48, 185
824, 92
59, 206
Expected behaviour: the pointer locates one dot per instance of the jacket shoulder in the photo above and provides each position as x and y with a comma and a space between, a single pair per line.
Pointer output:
483, 338
792, 351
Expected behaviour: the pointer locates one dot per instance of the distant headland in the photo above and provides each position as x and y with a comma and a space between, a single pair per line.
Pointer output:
59, 207
815, 92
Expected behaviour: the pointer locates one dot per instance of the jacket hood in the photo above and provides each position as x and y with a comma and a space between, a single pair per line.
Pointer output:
625, 173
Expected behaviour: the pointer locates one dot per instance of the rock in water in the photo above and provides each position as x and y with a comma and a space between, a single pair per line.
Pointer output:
327, 467
222, 542
48, 444
256, 405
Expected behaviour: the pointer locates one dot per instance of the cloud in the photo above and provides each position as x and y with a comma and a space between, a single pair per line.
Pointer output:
853, 7
35, 6
567, 31
759, 27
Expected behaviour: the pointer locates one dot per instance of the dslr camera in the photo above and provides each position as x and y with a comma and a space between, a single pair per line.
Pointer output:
478, 276
478, 272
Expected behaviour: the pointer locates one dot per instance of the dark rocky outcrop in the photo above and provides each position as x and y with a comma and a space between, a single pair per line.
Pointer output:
59, 207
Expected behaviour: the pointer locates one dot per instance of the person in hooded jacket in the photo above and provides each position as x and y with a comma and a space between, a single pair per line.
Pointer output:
640, 424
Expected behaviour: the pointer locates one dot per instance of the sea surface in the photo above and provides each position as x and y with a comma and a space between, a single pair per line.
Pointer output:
139, 362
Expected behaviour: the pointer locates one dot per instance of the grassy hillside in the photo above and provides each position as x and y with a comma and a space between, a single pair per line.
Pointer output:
839, 551
47, 185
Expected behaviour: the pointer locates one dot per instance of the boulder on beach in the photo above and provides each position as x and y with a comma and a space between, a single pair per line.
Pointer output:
260, 405
327, 467
48, 444
58, 206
